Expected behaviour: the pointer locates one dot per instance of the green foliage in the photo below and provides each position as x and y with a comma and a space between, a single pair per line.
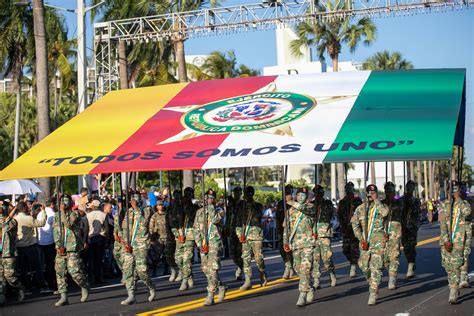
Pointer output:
300, 183
386, 60
267, 198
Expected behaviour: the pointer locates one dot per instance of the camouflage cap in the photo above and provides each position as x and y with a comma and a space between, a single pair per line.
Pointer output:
210, 194
371, 187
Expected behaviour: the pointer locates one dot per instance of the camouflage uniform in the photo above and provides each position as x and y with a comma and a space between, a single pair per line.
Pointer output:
207, 231
393, 231
249, 225
136, 262
467, 251
8, 255
410, 214
280, 218
162, 240
350, 244
368, 225
233, 209
453, 225
69, 235
323, 232
301, 241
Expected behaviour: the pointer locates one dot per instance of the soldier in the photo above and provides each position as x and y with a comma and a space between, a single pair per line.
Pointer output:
322, 232
280, 217
8, 231
350, 244
453, 213
301, 242
119, 241
410, 215
467, 250
234, 207
69, 243
172, 209
136, 249
393, 234
250, 234
183, 230
368, 225
207, 234
162, 238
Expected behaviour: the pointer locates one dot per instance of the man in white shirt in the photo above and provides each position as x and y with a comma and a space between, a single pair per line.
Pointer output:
46, 245
98, 230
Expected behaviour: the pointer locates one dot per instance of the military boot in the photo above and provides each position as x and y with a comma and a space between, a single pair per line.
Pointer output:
263, 279
209, 299
152, 292
247, 284
130, 299
84, 294
3, 299
173, 275
411, 270
372, 299
286, 273
392, 283
21, 295
179, 278
190, 283
184, 285
292, 273
310, 296
453, 296
221, 296
301, 300
62, 301
464, 280
238, 274
333, 278
352, 273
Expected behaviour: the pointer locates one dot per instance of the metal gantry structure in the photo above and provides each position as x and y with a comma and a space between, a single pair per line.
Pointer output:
269, 14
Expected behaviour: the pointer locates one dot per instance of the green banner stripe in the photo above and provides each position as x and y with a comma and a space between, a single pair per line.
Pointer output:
401, 115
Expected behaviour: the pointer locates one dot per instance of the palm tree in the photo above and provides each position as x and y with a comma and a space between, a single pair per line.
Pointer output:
221, 65
386, 60
329, 37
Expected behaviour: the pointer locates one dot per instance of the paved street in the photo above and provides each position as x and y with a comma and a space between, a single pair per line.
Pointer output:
427, 294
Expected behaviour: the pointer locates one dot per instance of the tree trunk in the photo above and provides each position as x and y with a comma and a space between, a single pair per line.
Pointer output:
341, 182
373, 178
392, 170
418, 175
123, 71
427, 186
42, 87
431, 178
412, 170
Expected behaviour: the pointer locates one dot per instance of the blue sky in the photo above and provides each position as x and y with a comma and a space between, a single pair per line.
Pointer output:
436, 40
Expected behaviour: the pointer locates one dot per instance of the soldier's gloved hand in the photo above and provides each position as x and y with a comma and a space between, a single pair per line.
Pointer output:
286, 248
448, 246
364, 245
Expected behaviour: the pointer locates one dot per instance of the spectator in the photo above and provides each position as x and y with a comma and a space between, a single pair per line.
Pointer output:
152, 196
109, 245
27, 246
84, 198
145, 201
46, 245
267, 224
98, 230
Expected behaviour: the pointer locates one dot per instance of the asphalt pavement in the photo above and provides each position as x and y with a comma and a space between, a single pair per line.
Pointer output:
426, 294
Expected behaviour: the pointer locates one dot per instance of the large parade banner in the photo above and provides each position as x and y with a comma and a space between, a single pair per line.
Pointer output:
258, 121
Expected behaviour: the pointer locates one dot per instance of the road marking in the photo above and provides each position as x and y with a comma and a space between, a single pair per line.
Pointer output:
173, 309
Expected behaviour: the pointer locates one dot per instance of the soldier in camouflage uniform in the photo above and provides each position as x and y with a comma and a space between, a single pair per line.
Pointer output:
350, 244
136, 249
467, 250
8, 232
250, 234
393, 234
207, 234
69, 243
452, 219
161, 237
183, 231
299, 239
410, 215
233, 208
280, 217
322, 232
369, 227
119, 240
